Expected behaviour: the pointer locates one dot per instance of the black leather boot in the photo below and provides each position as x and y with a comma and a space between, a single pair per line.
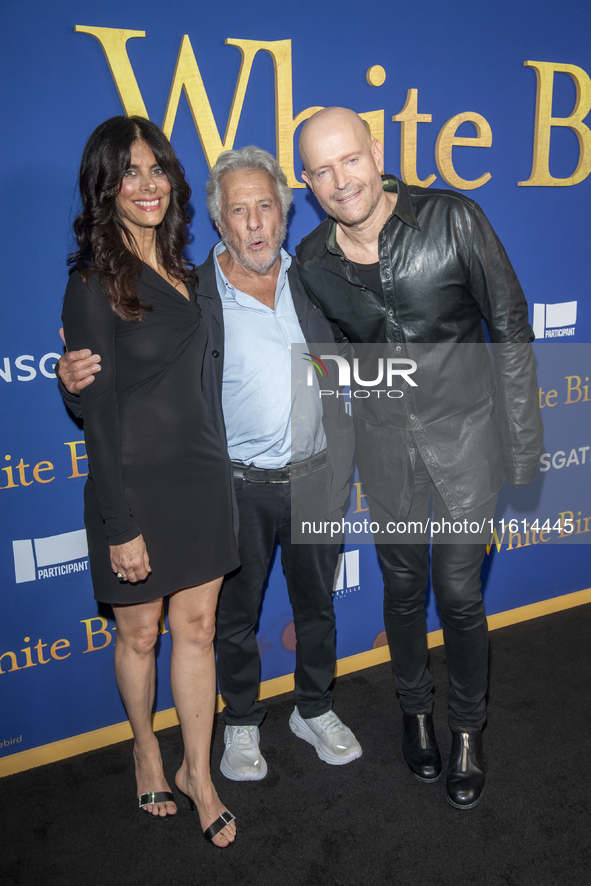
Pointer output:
465, 775
419, 747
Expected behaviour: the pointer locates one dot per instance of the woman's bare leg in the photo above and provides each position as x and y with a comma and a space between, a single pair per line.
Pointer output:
135, 669
191, 619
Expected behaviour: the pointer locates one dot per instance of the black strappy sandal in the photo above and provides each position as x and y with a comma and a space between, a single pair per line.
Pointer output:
221, 821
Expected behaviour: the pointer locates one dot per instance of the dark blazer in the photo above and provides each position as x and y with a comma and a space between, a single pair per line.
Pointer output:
338, 426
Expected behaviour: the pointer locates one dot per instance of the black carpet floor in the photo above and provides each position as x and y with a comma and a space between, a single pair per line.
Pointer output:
370, 822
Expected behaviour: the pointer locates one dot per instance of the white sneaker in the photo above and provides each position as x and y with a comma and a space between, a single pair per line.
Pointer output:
334, 742
242, 760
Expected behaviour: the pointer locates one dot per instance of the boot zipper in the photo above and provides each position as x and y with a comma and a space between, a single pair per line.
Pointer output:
421, 719
465, 740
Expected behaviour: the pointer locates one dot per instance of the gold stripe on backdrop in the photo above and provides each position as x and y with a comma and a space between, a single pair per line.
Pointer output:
98, 738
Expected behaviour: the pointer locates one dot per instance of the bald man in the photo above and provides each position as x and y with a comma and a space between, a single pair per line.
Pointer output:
404, 266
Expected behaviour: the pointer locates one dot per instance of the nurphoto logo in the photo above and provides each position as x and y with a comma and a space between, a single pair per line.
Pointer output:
388, 370
318, 364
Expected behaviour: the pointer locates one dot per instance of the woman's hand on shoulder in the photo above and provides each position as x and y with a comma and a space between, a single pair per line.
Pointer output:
131, 560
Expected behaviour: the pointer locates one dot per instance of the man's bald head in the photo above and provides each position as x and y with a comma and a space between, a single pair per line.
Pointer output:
327, 124
342, 166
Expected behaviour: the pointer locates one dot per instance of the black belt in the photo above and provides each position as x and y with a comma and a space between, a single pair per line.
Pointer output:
279, 475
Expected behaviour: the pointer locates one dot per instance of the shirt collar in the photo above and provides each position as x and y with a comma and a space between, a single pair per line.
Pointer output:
225, 285
403, 210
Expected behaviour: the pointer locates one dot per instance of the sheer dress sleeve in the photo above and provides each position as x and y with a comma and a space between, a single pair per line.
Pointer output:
89, 322
72, 401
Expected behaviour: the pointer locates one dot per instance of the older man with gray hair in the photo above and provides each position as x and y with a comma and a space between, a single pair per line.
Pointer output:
255, 308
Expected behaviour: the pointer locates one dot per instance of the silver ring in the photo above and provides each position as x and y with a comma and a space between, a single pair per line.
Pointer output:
121, 577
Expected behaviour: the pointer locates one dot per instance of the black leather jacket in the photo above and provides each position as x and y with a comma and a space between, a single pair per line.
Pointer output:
443, 270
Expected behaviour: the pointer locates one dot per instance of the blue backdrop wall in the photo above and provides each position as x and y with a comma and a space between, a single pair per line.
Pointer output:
488, 99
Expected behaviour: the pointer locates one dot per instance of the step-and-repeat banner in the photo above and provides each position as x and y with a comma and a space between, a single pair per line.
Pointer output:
490, 100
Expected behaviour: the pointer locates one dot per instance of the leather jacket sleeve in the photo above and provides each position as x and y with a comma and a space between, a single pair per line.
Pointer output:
498, 294
518, 412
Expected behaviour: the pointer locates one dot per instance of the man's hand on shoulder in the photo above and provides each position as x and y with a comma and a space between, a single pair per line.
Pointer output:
76, 369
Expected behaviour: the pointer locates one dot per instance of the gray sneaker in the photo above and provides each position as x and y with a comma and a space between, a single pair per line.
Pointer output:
334, 742
242, 759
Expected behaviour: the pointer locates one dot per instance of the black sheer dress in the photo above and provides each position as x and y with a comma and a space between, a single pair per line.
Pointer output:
156, 464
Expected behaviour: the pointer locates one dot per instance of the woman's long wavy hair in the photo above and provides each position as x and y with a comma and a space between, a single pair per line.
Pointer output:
105, 244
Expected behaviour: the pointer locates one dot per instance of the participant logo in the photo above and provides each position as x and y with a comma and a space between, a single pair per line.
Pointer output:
38, 558
347, 575
555, 321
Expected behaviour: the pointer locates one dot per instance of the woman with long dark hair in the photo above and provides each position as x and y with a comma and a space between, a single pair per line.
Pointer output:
158, 509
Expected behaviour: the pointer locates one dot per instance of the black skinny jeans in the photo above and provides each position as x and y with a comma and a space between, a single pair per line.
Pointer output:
455, 577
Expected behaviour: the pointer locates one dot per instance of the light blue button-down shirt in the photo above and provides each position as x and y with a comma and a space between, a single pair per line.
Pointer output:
259, 394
